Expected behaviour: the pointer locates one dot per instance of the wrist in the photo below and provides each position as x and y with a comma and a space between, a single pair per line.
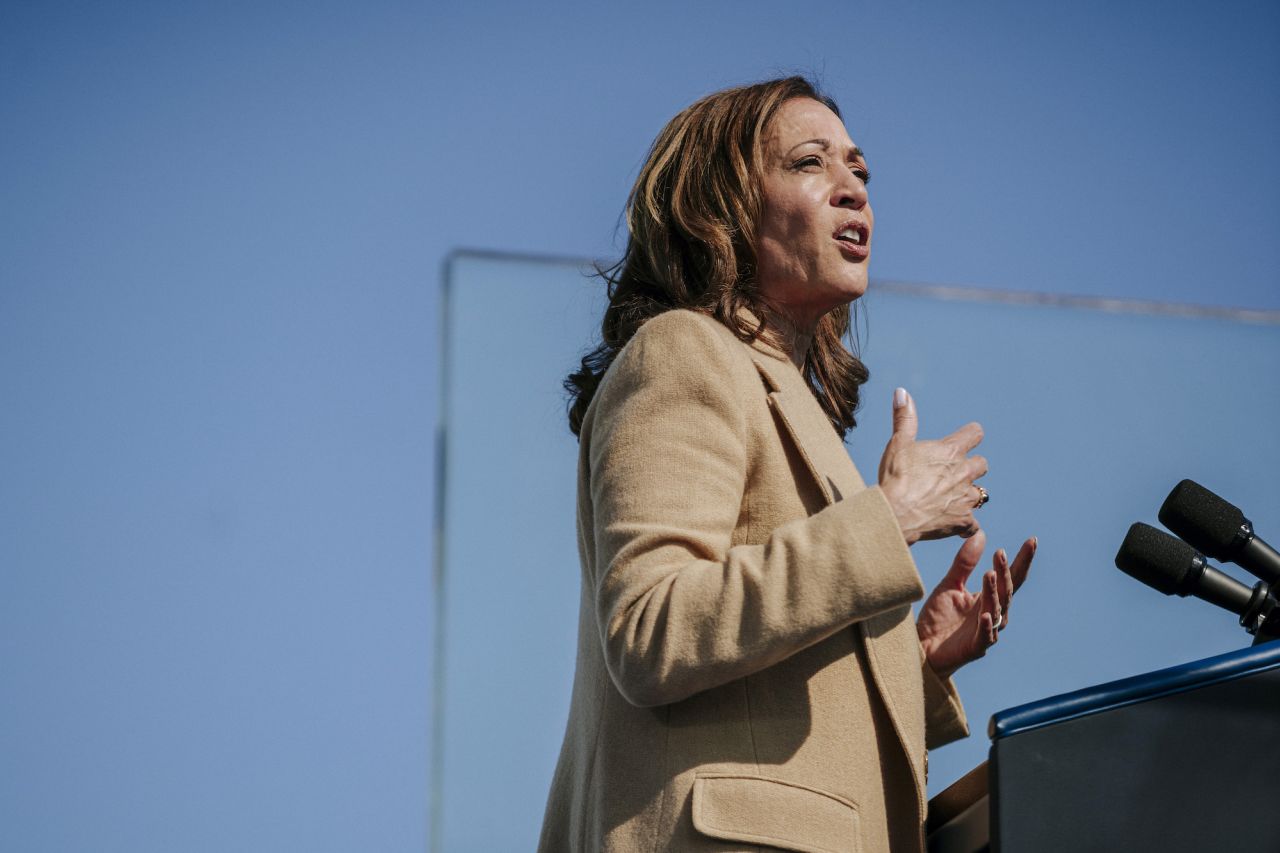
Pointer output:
929, 648
901, 513
944, 673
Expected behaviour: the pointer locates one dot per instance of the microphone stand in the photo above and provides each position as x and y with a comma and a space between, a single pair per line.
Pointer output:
1261, 617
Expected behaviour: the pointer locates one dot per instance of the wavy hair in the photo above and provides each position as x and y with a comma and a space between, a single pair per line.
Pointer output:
691, 221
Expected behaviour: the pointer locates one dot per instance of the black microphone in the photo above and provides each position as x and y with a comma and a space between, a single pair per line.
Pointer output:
1173, 567
1218, 529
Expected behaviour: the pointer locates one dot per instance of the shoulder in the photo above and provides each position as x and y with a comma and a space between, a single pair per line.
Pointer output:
683, 343
679, 354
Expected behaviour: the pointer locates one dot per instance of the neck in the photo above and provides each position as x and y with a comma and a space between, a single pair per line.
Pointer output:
792, 335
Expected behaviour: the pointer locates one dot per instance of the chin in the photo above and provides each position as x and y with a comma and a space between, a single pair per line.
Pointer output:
854, 289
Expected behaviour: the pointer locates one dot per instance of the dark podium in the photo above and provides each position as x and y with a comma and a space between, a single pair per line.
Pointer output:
1183, 759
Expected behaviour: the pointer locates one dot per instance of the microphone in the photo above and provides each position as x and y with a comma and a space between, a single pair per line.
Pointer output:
1173, 567
1219, 529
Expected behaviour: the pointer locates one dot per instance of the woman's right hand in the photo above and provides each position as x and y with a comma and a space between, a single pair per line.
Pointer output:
929, 484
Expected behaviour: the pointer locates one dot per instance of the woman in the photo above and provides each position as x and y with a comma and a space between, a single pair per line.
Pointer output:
749, 675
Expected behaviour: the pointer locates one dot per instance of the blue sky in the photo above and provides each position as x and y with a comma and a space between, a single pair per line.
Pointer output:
221, 245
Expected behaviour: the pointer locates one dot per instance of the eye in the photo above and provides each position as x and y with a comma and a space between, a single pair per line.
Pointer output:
862, 173
808, 162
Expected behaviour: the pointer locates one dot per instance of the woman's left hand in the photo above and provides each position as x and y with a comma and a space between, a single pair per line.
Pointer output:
956, 626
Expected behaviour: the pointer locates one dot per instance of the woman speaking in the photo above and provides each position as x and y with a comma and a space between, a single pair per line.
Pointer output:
749, 675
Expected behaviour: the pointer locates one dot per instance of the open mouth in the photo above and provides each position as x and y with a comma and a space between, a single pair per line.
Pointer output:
853, 237
853, 232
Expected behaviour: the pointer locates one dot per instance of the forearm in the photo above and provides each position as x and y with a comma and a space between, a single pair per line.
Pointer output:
674, 626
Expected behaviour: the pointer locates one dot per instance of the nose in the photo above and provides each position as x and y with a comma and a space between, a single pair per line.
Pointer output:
850, 192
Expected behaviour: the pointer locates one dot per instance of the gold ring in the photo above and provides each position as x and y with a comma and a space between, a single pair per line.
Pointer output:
983, 497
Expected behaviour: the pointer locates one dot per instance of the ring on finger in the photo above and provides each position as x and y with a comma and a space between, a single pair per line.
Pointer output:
983, 497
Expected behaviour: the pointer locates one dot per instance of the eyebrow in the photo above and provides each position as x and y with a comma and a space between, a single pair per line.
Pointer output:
826, 146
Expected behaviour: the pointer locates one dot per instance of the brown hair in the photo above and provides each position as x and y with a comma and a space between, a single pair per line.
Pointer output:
691, 219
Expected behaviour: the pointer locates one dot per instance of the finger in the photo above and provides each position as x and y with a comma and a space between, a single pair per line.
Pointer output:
905, 421
991, 597
975, 468
986, 633
1004, 586
1022, 562
967, 559
967, 437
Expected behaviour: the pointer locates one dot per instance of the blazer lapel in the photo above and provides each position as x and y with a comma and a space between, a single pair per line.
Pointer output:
803, 419
885, 637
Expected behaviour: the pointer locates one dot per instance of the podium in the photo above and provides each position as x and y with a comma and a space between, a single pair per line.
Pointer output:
1183, 759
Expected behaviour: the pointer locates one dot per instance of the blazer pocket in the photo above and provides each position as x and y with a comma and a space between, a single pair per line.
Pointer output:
761, 810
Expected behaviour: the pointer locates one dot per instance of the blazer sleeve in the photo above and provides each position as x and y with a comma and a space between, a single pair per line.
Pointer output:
944, 719
679, 610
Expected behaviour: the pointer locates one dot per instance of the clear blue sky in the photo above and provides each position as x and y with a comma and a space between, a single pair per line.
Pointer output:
221, 238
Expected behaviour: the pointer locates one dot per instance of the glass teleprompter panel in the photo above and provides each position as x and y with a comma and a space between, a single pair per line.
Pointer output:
1093, 410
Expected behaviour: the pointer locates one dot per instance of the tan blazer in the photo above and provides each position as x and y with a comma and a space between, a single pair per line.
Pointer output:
748, 673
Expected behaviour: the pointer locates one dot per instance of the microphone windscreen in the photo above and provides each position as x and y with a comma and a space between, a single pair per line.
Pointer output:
1159, 560
1207, 522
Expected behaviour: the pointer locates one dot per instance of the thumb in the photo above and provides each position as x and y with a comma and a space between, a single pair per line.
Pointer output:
966, 560
904, 415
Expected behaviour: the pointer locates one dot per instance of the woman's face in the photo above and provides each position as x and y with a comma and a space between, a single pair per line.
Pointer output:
814, 235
